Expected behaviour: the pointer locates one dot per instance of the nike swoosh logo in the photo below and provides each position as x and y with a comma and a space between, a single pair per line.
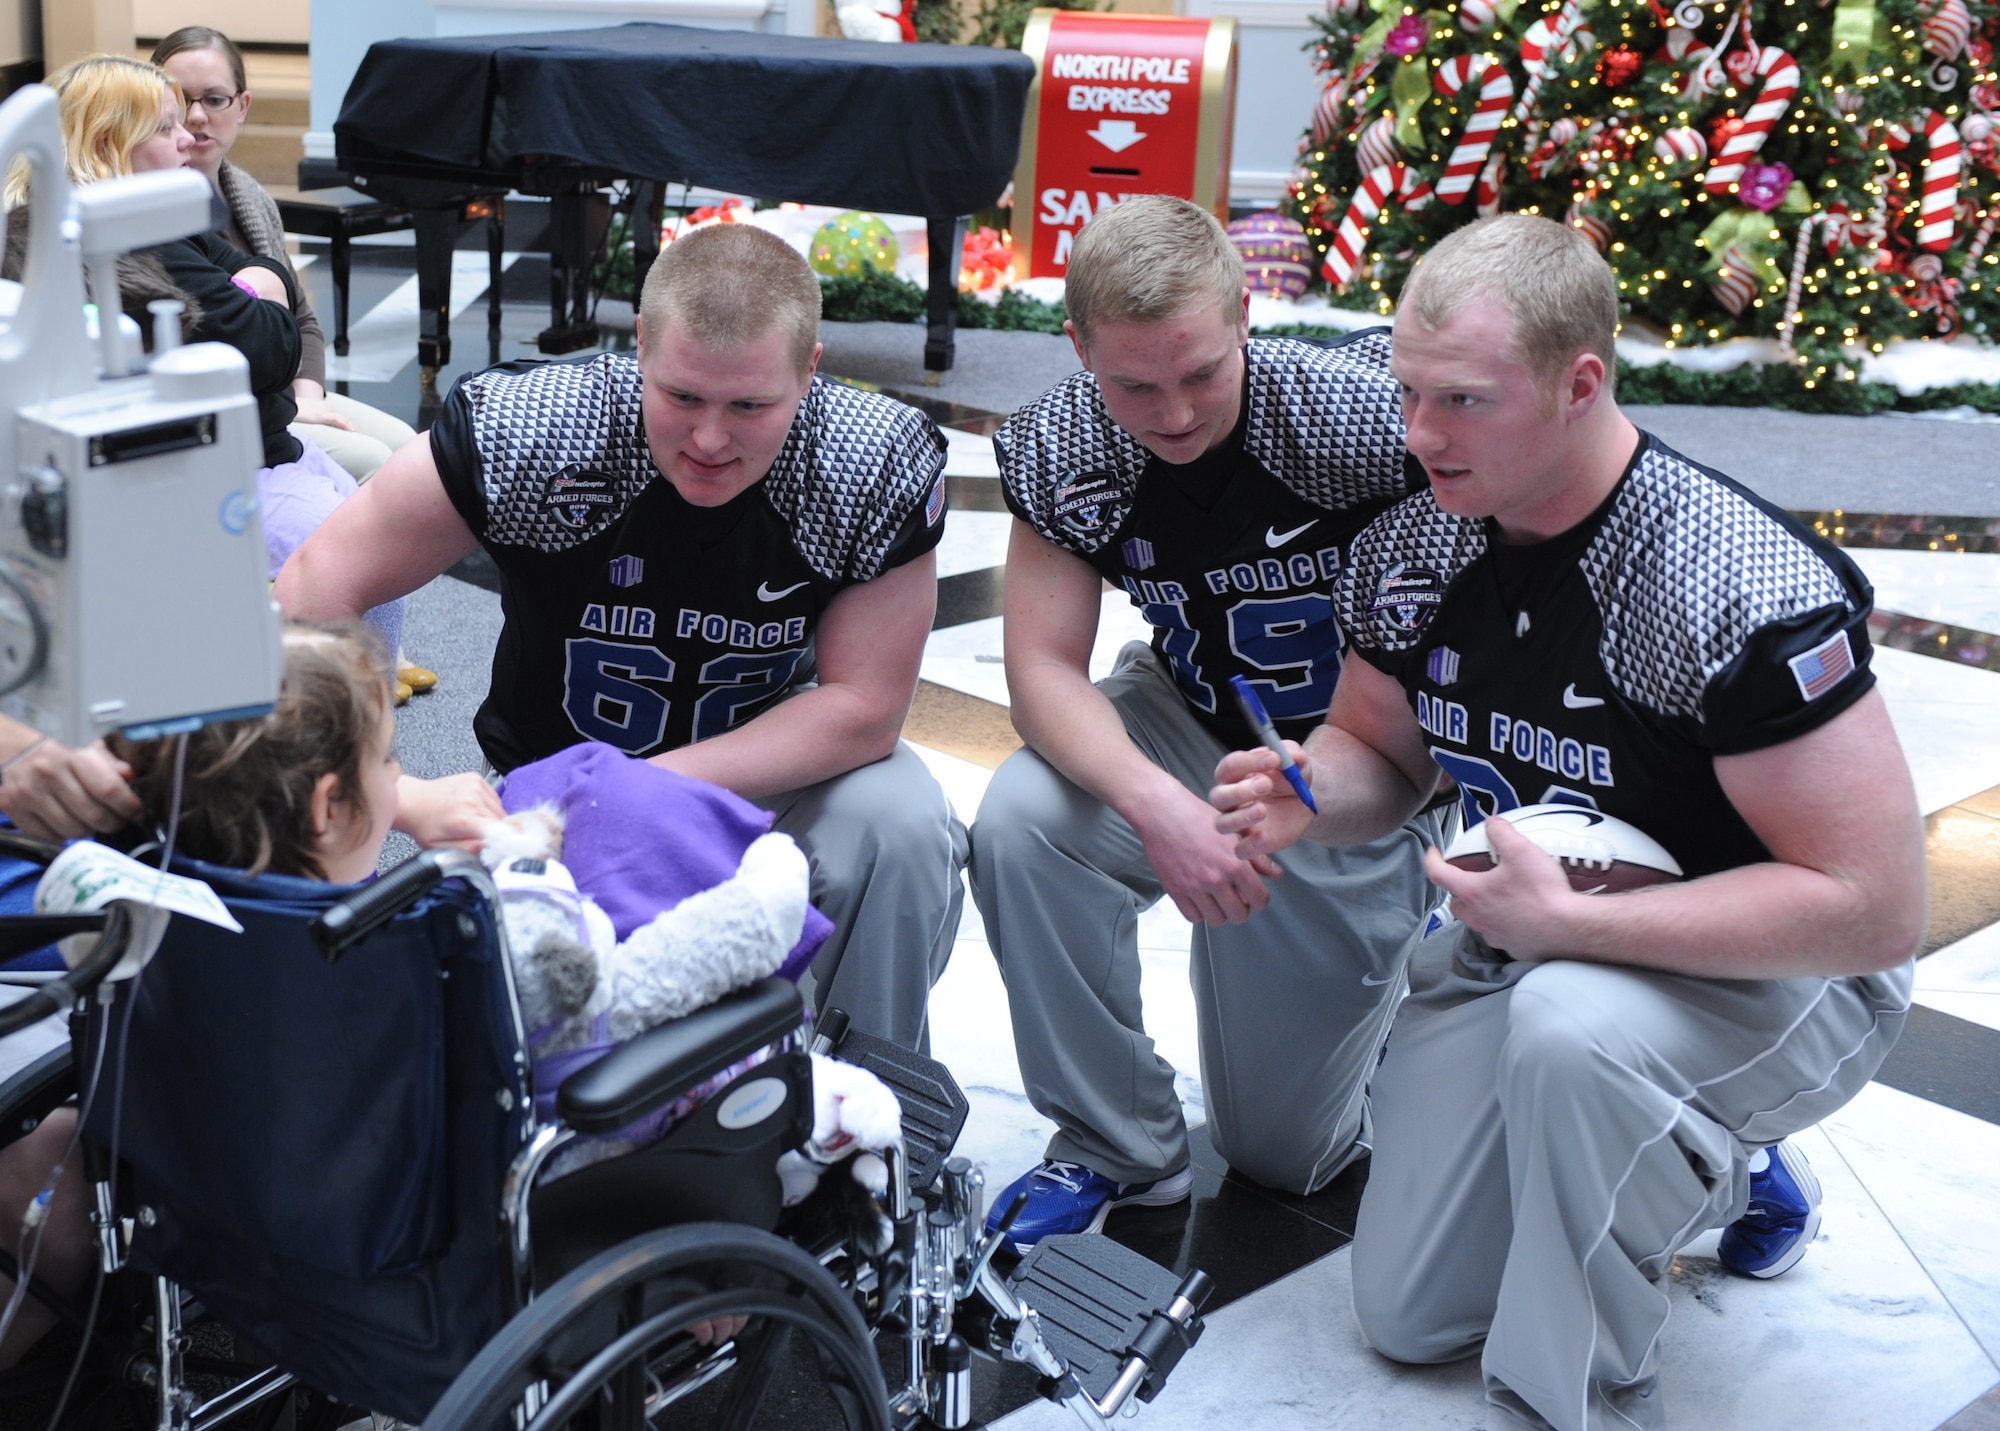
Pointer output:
1369, 981
764, 593
1273, 538
1576, 702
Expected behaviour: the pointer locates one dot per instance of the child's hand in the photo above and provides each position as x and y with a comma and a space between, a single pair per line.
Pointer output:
450, 813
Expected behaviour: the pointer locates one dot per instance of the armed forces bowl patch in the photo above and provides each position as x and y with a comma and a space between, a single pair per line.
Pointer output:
1408, 596
577, 496
1081, 503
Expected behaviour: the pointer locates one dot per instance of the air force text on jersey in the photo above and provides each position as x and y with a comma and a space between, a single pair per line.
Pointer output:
1525, 741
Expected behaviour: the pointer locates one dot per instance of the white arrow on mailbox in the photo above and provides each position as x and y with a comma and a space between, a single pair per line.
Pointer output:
1116, 135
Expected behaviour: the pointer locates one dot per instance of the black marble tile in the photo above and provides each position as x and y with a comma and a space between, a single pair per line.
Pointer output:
1947, 1060
968, 596
1332, 1206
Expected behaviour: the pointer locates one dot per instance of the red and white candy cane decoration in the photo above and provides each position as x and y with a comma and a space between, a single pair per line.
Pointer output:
1937, 212
1980, 238
1796, 287
1736, 284
1496, 97
1386, 182
1539, 47
1780, 73
1489, 184
1326, 113
1376, 145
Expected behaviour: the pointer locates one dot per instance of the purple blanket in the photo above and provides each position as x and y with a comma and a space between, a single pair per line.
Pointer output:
640, 839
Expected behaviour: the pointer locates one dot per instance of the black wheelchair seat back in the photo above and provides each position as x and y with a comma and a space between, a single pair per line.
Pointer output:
317, 1149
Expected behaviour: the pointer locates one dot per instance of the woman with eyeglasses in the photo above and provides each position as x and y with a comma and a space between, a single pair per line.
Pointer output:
209, 69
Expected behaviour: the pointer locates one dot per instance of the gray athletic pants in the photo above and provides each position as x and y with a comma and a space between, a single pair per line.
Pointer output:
886, 852
1292, 1006
1549, 1135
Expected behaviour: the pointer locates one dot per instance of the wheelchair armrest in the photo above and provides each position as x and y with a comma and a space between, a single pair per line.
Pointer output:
661, 1064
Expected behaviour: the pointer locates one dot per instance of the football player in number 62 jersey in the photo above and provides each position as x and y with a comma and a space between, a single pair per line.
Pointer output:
711, 558
1579, 1084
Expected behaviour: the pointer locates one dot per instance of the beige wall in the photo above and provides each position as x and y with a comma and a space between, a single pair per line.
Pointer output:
281, 22
20, 31
72, 29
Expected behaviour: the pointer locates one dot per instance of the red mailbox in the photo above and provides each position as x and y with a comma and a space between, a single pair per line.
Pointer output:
1121, 105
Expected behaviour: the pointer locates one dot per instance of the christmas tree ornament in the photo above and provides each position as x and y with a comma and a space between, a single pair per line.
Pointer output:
1475, 17
1681, 145
1764, 186
1619, 67
1377, 145
1409, 36
1496, 94
1977, 128
1562, 131
1947, 29
1277, 259
1735, 283
1586, 221
1326, 113
1780, 76
1491, 181
851, 244
1345, 9
1984, 96
1938, 208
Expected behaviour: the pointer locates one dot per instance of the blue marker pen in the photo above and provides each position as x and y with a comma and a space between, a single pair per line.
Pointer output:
1260, 722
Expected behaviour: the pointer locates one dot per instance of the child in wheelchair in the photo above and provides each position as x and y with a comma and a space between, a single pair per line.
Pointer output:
310, 791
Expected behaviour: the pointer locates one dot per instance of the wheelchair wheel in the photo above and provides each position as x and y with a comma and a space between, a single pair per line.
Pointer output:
612, 1345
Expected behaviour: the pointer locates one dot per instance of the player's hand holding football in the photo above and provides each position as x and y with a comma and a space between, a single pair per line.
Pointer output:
1523, 906
1258, 807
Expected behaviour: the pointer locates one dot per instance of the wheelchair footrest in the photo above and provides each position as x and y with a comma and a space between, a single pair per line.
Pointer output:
934, 1109
1100, 1304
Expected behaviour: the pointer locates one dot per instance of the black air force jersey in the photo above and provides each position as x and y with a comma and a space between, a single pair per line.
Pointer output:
1230, 558
633, 617
1609, 666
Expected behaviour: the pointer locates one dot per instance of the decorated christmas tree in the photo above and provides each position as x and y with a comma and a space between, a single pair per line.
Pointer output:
1819, 171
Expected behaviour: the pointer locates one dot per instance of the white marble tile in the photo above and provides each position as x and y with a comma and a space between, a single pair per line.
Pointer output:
969, 455
383, 341
1971, 966
1933, 1172
1962, 588
1945, 716
968, 657
972, 541
1857, 1338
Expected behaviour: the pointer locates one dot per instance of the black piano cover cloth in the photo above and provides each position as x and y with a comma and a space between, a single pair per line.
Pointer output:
912, 129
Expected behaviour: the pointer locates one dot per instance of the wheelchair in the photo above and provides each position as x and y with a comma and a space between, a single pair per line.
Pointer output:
321, 1134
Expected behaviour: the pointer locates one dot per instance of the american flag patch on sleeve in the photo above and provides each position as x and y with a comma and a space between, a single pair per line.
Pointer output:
1822, 668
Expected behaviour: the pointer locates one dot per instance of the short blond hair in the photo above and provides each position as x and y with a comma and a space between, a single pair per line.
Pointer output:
1556, 284
110, 105
1147, 259
730, 284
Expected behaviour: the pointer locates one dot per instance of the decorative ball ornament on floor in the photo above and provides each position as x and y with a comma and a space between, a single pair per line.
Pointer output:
1600, 853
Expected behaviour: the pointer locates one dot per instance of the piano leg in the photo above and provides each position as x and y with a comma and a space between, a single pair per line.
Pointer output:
578, 220
947, 242
437, 233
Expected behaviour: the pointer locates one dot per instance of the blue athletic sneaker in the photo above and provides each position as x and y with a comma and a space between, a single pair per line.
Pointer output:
1783, 1217
1068, 1197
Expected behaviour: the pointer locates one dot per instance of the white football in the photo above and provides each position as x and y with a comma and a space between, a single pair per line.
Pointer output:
1600, 853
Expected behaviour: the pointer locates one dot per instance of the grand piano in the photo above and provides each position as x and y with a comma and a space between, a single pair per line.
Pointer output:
444, 127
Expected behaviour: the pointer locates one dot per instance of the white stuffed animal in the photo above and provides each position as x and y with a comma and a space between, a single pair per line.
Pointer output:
873, 20
579, 985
